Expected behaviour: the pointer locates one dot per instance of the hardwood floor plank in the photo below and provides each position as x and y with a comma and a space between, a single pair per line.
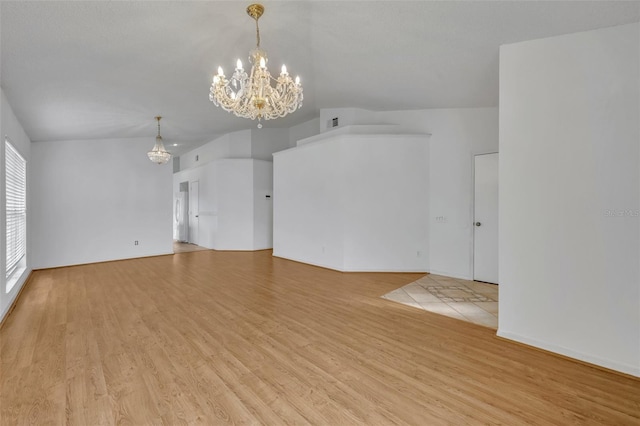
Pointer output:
244, 338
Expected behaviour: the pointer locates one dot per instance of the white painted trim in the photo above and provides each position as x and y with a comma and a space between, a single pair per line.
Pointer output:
333, 268
450, 274
321, 265
624, 368
104, 260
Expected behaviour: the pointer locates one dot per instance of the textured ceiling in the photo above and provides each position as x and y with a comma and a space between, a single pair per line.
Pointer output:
104, 69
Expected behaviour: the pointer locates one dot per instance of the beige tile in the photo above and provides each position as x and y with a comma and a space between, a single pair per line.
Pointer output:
425, 281
466, 300
399, 295
491, 307
436, 276
419, 293
414, 288
468, 309
450, 292
482, 287
425, 298
412, 304
489, 321
444, 280
442, 309
491, 297
476, 314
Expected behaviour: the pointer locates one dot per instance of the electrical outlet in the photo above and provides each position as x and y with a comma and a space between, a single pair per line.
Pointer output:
441, 219
135, 243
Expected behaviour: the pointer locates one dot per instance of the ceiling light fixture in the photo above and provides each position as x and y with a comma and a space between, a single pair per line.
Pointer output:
158, 154
252, 96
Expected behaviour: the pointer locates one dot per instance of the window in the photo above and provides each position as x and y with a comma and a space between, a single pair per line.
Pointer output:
16, 213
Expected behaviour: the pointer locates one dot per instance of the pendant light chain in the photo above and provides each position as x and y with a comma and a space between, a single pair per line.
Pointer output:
257, 33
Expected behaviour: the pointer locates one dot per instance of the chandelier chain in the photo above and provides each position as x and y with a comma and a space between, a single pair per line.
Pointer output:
257, 34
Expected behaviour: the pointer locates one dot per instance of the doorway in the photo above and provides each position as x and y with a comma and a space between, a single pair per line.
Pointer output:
194, 211
485, 218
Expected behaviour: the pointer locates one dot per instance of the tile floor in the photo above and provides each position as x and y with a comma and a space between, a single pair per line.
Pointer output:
179, 247
470, 301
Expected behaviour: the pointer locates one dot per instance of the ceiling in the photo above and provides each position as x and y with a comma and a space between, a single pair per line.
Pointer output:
104, 69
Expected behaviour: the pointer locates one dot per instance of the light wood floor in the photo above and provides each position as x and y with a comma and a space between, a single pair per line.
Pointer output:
225, 338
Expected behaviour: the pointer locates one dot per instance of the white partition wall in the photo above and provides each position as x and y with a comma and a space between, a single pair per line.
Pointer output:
354, 203
307, 205
235, 212
570, 195
457, 135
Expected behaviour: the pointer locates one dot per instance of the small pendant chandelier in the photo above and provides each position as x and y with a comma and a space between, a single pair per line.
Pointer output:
158, 154
252, 96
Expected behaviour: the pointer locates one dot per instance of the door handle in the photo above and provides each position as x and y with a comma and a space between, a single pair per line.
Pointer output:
197, 216
477, 223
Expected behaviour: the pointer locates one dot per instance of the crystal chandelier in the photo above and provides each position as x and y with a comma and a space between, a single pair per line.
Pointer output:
252, 95
158, 154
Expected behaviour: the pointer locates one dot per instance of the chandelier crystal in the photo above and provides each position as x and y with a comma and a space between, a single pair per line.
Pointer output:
158, 154
252, 95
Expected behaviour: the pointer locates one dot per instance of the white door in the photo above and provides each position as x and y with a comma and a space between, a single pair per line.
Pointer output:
485, 218
194, 211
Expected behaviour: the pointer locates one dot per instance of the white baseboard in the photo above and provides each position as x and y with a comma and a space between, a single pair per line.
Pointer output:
633, 370
343, 269
101, 260
321, 265
451, 274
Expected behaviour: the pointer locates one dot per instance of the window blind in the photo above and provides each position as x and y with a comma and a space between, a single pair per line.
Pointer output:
16, 206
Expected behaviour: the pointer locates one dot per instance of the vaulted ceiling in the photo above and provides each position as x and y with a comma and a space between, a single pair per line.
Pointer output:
104, 69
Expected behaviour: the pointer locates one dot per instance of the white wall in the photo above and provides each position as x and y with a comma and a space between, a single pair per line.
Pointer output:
570, 195
348, 117
385, 179
354, 203
304, 130
307, 214
235, 204
235, 172
231, 145
252, 143
93, 198
456, 136
11, 127
234, 212
264, 142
